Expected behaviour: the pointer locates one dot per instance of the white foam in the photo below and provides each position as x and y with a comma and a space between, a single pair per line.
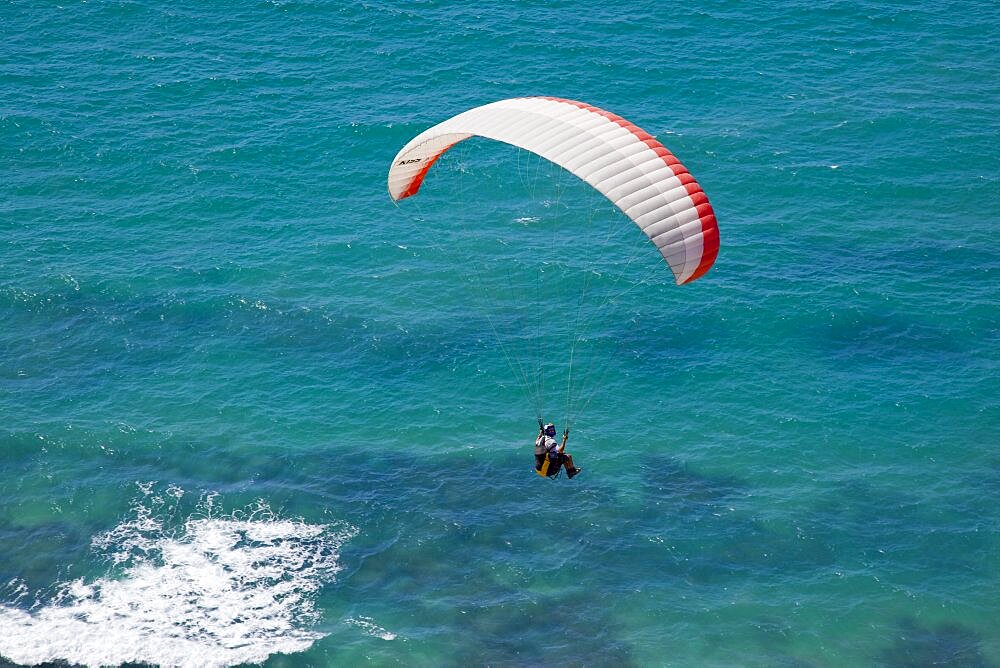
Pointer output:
368, 625
212, 591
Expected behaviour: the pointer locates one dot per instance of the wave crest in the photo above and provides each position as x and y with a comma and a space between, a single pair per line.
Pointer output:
207, 589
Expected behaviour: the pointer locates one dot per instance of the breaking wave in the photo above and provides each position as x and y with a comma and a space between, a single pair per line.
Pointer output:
208, 589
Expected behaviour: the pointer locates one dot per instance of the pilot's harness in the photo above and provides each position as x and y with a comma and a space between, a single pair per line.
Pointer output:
548, 463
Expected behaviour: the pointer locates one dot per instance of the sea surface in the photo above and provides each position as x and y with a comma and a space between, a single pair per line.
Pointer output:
252, 411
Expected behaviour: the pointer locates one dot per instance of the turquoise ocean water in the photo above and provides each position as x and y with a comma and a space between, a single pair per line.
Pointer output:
251, 411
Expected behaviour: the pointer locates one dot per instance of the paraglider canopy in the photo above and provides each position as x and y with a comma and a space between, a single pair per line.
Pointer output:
624, 163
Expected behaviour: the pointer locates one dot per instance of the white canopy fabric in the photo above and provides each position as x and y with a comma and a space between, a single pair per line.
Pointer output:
627, 165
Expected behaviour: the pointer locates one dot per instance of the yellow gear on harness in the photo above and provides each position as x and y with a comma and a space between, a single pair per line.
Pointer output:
544, 471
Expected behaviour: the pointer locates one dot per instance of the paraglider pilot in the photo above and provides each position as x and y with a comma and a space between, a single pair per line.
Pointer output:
550, 455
